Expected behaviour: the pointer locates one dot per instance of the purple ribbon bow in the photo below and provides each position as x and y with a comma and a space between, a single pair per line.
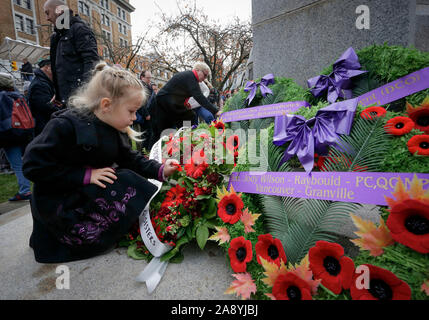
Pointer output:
327, 124
338, 83
252, 86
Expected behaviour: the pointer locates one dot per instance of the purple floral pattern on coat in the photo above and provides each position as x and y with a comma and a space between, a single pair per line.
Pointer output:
89, 232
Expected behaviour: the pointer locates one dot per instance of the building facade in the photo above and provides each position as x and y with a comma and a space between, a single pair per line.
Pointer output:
25, 20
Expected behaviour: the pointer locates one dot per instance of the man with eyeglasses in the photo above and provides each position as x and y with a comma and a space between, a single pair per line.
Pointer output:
172, 100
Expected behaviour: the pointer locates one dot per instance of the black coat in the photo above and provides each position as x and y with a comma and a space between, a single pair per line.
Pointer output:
40, 93
27, 67
72, 221
73, 55
171, 109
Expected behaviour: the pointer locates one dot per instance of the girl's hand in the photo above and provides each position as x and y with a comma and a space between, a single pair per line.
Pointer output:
170, 167
103, 174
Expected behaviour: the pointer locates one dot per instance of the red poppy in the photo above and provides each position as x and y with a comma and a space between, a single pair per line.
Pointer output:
399, 126
174, 196
383, 285
240, 253
270, 249
196, 166
373, 112
233, 143
173, 145
230, 208
319, 162
420, 116
219, 125
291, 287
408, 223
328, 263
419, 144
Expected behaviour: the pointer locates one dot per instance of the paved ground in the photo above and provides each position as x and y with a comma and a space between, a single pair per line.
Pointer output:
203, 275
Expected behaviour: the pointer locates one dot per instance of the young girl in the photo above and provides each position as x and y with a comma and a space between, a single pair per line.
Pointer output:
89, 186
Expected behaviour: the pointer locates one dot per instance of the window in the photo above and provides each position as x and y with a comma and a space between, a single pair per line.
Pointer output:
105, 4
83, 8
27, 4
105, 20
106, 54
122, 14
23, 3
122, 28
107, 36
19, 23
29, 26
123, 43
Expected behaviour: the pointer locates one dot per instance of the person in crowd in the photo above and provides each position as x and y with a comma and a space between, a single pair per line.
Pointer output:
214, 96
26, 70
73, 50
200, 111
155, 88
172, 100
90, 187
41, 96
14, 145
144, 113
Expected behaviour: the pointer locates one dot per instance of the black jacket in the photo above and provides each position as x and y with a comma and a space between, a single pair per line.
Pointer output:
71, 220
27, 68
73, 55
171, 109
40, 93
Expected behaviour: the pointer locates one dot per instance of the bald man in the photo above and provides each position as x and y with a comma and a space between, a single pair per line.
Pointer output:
73, 49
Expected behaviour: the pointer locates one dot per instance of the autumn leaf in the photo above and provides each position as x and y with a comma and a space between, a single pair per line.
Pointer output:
415, 192
272, 271
249, 220
303, 271
372, 238
425, 287
222, 235
243, 286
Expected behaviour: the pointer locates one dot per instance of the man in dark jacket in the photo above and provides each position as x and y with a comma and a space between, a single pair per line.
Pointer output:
41, 96
73, 49
27, 70
146, 110
172, 100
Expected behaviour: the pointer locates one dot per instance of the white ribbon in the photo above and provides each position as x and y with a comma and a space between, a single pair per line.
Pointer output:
154, 271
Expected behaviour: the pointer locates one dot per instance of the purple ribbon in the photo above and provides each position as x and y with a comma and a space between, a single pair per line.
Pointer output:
357, 187
330, 121
338, 83
252, 86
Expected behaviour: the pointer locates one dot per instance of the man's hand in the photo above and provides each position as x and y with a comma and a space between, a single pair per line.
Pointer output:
103, 174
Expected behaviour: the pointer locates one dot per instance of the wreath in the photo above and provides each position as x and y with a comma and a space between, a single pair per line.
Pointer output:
289, 248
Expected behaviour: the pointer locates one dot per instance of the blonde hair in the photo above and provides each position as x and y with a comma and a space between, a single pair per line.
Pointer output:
106, 82
199, 65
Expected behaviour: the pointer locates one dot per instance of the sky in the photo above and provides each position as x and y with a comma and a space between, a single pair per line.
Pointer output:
222, 10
